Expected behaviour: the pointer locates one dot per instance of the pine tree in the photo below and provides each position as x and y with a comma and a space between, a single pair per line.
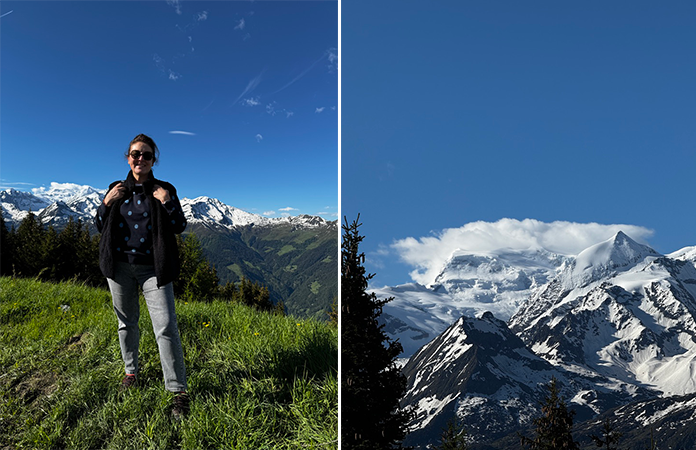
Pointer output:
52, 255
453, 437
253, 294
28, 246
203, 285
553, 428
371, 382
68, 264
610, 437
197, 280
6, 248
333, 314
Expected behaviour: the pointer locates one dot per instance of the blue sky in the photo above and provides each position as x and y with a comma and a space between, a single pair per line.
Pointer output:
241, 97
455, 112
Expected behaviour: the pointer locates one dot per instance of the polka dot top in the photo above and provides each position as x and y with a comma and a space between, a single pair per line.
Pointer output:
133, 239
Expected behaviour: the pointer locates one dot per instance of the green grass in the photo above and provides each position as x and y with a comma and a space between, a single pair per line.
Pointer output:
257, 381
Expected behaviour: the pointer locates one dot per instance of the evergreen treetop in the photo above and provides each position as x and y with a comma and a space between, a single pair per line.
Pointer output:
553, 428
371, 382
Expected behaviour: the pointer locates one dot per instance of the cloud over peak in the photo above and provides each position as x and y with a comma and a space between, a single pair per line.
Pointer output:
429, 254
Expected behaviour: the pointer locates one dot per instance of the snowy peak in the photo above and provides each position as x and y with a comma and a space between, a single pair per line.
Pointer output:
66, 192
54, 205
212, 211
613, 255
480, 371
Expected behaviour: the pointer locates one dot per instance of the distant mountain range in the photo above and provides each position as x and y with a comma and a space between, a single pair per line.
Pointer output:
296, 257
615, 325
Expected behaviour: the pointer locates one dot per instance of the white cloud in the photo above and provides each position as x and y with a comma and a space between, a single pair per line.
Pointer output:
289, 114
173, 75
251, 101
270, 108
300, 75
19, 185
253, 83
187, 133
7, 13
319, 110
240, 25
268, 213
201, 16
289, 208
332, 56
428, 254
176, 4
259, 138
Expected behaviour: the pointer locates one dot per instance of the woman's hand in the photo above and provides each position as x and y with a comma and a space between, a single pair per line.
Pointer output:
161, 194
114, 194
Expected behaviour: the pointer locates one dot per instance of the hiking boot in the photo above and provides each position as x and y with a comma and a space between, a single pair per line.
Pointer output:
180, 408
128, 382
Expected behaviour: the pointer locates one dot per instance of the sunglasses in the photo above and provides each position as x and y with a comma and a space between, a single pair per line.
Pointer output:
135, 154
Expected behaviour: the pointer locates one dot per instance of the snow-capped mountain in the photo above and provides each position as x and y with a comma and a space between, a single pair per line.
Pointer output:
621, 310
468, 284
484, 374
615, 324
54, 205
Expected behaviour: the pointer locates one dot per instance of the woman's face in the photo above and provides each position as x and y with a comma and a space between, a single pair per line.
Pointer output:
140, 166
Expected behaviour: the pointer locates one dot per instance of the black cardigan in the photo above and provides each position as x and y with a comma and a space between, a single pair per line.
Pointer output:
165, 226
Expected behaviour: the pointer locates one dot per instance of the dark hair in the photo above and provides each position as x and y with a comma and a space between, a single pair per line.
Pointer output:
146, 140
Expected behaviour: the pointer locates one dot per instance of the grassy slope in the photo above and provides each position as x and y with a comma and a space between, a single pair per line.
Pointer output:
299, 266
257, 381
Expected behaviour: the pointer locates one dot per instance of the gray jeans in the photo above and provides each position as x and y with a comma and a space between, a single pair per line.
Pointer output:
160, 304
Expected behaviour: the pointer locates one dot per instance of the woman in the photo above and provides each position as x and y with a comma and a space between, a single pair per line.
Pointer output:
138, 220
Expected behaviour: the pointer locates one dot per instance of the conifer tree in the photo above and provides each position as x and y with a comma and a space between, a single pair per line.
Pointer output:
253, 294
553, 428
371, 382
333, 314
68, 263
197, 278
610, 437
28, 240
203, 285
53, 256
6, 248
453, 437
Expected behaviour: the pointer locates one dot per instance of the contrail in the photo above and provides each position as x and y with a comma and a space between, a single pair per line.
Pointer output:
8, 12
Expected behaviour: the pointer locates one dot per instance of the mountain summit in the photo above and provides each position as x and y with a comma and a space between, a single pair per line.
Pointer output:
611, 256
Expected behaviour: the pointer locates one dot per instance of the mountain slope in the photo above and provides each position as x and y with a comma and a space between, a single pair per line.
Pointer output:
620, 310
483, 373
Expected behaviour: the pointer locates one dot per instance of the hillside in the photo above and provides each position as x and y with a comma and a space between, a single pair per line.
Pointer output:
299, 265
256, 380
